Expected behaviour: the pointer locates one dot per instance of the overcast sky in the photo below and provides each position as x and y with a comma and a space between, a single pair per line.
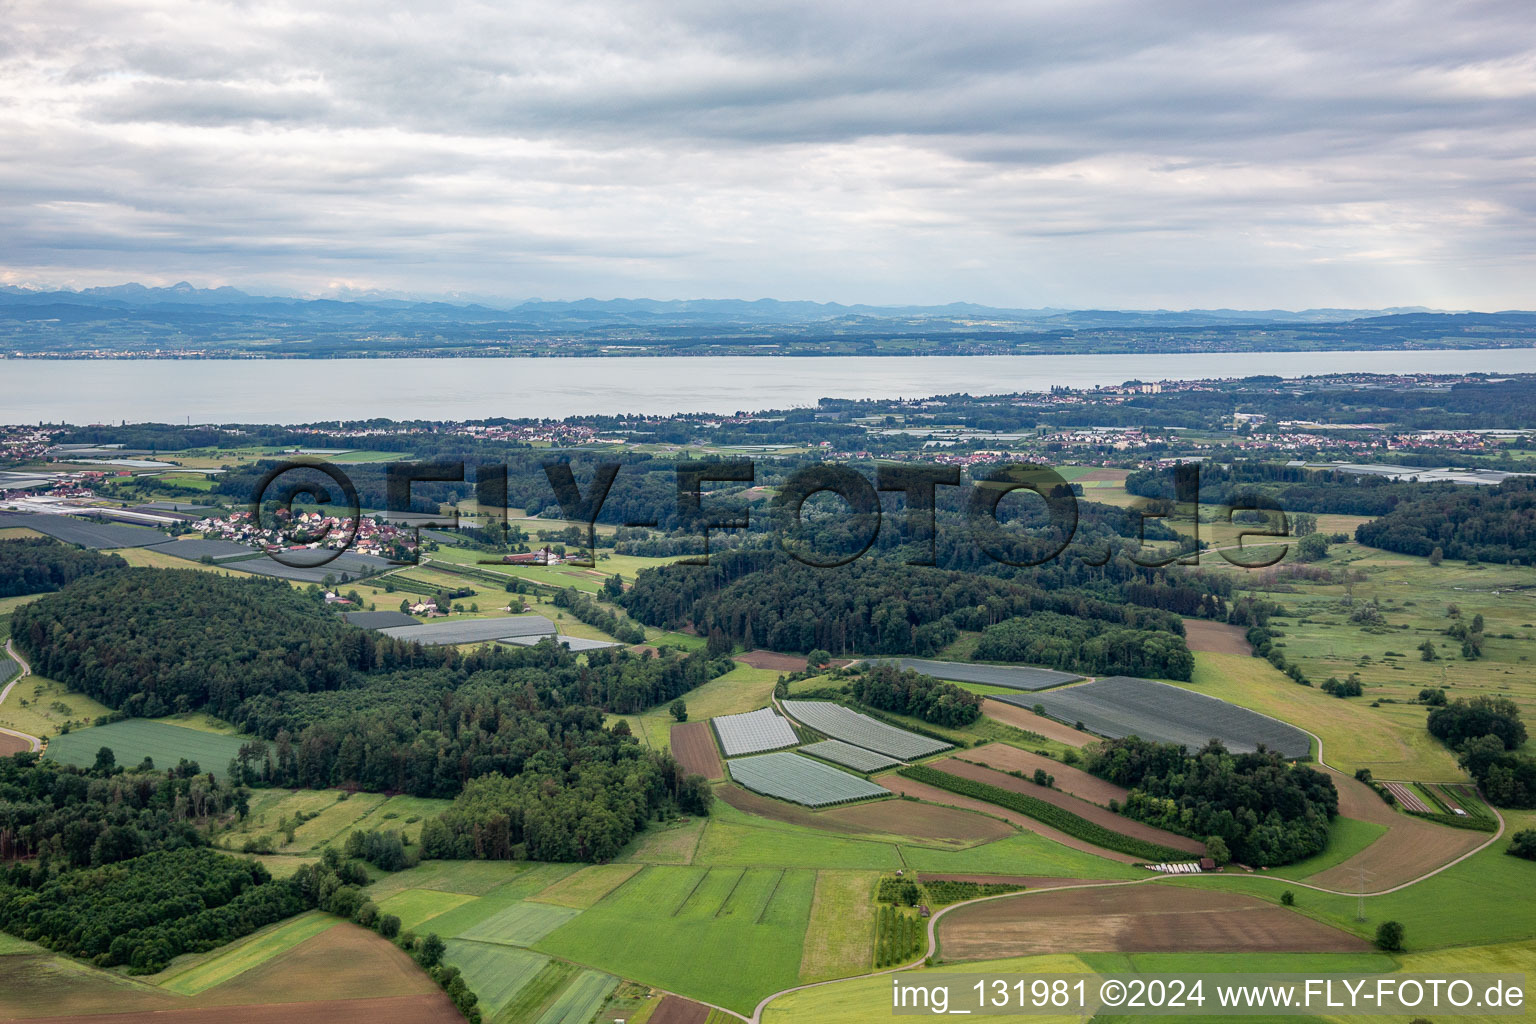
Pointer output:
1077, 153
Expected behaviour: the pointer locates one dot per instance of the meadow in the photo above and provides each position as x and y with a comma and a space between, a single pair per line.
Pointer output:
133, 740
744, 688
40, 706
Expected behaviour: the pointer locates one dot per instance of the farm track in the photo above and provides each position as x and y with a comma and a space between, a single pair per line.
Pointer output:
26, 670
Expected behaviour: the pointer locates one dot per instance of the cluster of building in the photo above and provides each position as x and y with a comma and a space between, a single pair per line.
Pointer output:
373, 537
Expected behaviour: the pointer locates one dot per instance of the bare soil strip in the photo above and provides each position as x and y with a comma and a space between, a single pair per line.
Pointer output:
1216, 637
1134, 919
1082, 808
1068, 779
1023, 718
694, 748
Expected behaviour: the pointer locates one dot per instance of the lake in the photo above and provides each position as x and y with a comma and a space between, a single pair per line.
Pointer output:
311, 391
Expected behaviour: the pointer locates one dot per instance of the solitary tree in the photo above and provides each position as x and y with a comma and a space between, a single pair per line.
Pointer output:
1288, 898
679, 710
1436, 556
1389, 936
1216, 849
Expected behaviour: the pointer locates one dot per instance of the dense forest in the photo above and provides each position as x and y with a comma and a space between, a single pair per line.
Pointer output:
877, 605
1482, 524
1265, 811
36, 565
890, 688
329, 704
1089, 646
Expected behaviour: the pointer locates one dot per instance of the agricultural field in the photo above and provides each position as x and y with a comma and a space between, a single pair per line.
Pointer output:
520, 924
493, 972
840, 938
652, 929
840, 723
904, 821
192, 974
849, 756
133, 740
753, 732
584, 888
694, 747
416, 907
801, 780
1125, 706
1132, 919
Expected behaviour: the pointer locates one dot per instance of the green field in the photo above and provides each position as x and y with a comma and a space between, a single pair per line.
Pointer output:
725, 935
415, 907
494, 973
519, 924
137, 738
586, 886
581, 1000
194, 974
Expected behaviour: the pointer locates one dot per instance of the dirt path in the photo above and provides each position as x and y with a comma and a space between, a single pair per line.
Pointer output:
33, 743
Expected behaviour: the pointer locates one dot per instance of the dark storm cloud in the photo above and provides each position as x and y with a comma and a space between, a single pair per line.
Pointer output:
1341, 153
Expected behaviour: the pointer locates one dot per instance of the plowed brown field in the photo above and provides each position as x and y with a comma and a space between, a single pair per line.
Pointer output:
1216, 637
1134, 919
694, 749
1082, 808
677, 1010
1068, 779
923, 822
431, 1008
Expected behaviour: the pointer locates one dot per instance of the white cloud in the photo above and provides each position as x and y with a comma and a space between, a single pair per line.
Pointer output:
1108, 153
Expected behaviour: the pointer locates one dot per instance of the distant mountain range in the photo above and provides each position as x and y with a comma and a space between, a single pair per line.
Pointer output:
183, 320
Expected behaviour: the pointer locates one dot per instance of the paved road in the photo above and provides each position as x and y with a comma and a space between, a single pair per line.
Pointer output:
26, 670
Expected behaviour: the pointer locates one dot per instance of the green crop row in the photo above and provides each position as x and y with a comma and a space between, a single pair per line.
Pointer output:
1049, 814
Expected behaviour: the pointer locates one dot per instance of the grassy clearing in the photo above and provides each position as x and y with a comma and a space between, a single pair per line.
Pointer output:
840, 938
41, 707
405, 814
744, 688
673, 843
587, 886
203, 971
137, 738
1354, 734
415, 907
751, 921
496, 974
10, 945
334, 821
1346, 837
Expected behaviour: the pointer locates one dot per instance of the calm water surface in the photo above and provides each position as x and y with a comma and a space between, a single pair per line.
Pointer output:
306, 391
